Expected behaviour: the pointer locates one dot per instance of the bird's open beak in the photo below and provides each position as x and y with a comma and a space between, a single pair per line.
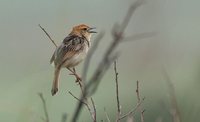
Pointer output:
91, 30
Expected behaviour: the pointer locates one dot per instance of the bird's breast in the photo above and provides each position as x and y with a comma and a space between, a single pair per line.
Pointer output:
77, 58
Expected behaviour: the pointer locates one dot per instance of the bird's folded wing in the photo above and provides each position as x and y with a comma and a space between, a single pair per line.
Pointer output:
70, 46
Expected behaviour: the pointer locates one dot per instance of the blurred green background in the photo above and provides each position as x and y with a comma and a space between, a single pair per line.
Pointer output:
25, 52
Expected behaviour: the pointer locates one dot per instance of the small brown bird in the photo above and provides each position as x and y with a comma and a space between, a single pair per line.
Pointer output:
71, 51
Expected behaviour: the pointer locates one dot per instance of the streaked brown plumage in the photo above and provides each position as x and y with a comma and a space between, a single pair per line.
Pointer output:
71, 51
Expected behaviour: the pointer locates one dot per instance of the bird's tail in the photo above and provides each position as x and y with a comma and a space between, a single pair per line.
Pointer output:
54, 89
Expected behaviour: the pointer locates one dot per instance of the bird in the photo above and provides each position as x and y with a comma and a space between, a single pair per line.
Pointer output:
71, 51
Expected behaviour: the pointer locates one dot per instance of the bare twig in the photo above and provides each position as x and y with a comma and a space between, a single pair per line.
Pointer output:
44, 107
48, 35
95, 111
77, 98
117, 92
140, 108
87, 105
142, 115
107, 117
137, 91
85, 100
175, 109
85, 93
132, 111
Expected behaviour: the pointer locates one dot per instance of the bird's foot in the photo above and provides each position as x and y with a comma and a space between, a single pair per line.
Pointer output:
78, 78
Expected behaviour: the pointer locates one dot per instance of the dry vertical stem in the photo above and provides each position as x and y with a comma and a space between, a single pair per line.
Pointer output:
133, 110
137, 91
175, 109
137, 106
85, 100
140, 108
44, 107
117, 92
95, 111
107, 117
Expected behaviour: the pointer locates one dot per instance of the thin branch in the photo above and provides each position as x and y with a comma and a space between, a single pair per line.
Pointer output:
107, 117
85, 93
140, 108
44, 107
132, 111
175, 109
95, 111
86, 104
48, 35
117, 92
93, 114
137, 91
142, 115
77, 98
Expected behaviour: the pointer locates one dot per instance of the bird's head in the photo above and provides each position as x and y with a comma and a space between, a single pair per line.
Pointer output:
83, 30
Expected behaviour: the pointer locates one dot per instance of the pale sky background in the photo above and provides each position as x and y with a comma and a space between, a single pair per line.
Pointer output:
25, 52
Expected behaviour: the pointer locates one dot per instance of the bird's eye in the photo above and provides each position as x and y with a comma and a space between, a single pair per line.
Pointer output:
84, 29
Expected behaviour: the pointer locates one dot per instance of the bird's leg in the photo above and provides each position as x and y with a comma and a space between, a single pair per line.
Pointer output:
74, 69
78, 78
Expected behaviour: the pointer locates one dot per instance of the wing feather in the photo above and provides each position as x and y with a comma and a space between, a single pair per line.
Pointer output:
70, 46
